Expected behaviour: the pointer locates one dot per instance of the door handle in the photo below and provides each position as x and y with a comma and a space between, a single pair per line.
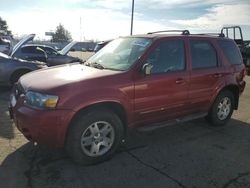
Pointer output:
180, 81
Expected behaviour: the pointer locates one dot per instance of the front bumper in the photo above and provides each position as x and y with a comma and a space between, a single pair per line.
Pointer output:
47, 127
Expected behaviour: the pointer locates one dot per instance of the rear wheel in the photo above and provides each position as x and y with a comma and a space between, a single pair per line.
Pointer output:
222, 109
94, 136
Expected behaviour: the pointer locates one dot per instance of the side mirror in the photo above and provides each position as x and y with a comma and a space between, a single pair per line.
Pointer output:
146, 68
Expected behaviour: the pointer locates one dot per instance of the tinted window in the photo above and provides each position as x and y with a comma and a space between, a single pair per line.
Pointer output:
49, 51
29, 49
32, 50
203, 55
169, 56
231, 51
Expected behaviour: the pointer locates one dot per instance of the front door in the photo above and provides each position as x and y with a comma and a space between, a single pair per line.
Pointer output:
163, 94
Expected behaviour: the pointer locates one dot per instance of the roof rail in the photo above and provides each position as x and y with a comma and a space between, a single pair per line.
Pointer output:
214, 34
183, 32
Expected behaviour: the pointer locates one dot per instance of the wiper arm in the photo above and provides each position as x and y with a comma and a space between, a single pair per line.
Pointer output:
95, 65
82, 61
86, 63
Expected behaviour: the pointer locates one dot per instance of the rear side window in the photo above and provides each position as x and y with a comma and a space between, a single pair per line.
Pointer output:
203, 54
28, 49
231, 51
32, 50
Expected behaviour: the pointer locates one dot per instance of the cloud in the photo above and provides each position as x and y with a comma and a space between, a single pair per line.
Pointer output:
95, 23
107, 4
114, 4
169, 4
218, 16
105, 19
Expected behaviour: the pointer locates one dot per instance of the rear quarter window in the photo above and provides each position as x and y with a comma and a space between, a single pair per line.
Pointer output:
203, 54
231, 51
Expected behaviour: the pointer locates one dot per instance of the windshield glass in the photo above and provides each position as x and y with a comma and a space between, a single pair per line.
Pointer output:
120, 54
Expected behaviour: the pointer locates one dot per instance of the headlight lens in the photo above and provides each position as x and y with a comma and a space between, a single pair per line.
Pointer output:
39, 100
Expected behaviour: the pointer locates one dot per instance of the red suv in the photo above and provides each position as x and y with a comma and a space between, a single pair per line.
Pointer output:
134, 81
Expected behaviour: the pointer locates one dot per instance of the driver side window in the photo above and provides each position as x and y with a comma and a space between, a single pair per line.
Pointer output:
168, 56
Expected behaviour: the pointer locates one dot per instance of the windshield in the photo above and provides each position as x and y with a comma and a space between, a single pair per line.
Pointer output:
120, 54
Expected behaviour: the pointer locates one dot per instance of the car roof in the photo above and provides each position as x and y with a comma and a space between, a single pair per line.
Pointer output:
163, 35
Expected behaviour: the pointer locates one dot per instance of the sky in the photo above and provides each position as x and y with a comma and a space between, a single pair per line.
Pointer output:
107, 19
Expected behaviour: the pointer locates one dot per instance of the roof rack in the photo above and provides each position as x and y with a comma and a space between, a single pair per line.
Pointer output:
183, 32
213, 34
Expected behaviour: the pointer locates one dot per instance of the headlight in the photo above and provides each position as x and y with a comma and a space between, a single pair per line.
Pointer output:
39, 100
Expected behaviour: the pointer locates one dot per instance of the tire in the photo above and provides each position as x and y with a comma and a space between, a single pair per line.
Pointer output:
222, 109
86, 141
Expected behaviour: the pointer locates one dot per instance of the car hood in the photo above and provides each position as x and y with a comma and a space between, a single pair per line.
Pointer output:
21, 43
67, 48
48, 79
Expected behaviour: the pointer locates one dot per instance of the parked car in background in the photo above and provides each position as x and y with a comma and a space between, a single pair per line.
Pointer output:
5, 46
235, 33
12, 68
87, 46
133, 81
46, 54
100, 45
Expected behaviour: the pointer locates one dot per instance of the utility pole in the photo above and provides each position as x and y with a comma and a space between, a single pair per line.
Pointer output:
132, 17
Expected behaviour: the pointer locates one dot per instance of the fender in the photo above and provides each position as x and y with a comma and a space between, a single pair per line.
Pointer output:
107, 95
100, 95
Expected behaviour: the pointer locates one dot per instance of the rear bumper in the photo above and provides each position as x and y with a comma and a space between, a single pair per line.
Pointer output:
44, 127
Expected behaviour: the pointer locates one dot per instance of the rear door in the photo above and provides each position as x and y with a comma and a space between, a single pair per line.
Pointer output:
164, 93
207, 74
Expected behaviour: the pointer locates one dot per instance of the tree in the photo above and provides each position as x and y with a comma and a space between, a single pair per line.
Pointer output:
61, 34
4, 27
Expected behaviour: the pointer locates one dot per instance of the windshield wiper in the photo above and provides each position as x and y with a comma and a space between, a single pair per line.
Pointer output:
86, 63
95, 65
82, 62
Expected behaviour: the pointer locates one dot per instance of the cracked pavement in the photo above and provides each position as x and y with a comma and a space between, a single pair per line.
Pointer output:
191, 154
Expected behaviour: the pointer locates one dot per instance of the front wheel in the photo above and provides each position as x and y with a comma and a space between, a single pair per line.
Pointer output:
94, 136
222, 109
